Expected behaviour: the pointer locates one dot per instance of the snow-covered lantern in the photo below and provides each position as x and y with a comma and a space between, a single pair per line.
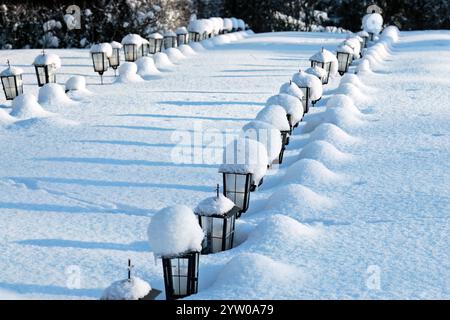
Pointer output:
196, 29
145, 47
156, 42
227, 25
175, 235
12, 82
217, 216
241, 25
245, 164
318, 72
364, 35
45, 66
355, 44
114, 60
310, 85
170, 39
182, 36
291, 98
276, 115
100, 54
323, 59
132, 47
132, 288
235, 24
344, 56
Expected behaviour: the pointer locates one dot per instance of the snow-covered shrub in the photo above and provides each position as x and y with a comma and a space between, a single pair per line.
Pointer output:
26, 106
267, 134
146, 67
245, 156
5, 118
292, 105
128, 73
275, 115
174, 230
133, 289
52, 94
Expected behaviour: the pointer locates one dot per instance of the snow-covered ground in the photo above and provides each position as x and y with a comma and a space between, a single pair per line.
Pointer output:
365, 215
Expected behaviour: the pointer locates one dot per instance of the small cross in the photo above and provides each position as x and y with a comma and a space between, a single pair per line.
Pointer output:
129, 269
7, 61
217, 190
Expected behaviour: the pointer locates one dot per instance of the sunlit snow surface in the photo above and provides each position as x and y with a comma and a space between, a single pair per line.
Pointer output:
78, 190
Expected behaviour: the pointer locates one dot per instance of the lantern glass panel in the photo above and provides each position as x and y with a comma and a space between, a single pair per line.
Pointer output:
170, 42
114, 60
100, 62
9, 86
343, 61
182, 39
237, 188
131, 52
181, 275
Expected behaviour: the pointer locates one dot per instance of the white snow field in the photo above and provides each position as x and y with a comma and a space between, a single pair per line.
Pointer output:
365, 214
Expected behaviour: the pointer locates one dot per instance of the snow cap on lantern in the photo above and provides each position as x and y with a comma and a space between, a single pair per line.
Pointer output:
214, 206
128, 289
304, 80
290, 103
275, 115
317, 71
292, 89
174, 231
45, 66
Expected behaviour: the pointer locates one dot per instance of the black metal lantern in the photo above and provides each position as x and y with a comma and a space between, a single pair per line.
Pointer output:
344, 60
181, 275
182, 36
305, 101
156, 42
217, 226
145, 48
100, 62
318, 60
194, 36
45, 69
236, 187
170, 40
114, 59
12, 82
131, 52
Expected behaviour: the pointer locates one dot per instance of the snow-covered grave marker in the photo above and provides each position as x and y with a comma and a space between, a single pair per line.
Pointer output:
45, 66
175, 235
244, 166
12, 81
327, 61
100, 54
132, 288
217, 216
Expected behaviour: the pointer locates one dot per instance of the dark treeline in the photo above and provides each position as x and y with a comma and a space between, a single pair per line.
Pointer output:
35, 24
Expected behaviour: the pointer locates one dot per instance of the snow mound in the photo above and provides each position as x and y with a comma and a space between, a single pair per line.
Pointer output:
355, 44
292, 89
364, 66
53, 94
146, 67
245, 156
186, 50
392, 33
302, 79
175, 230
76, 83
352, 92
311, 173
323, 151
196, 46
5, 117
174, 55
207, 43
267, 134
354, 80
248, 274
275, 115
333, 134
297, 201
128, 73
48, 59
214, 206
344, 102
291, 104
220, 40
342, 118
162, 61
227, 24
26, 106
132, 289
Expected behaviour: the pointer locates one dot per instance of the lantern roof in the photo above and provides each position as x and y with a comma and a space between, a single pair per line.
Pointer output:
156, 35
323, 56
266, 133
344, 48
182, 30
102, 47
170, 33
363, 33
241, 23
290, 103
173, 231
128, 289
132, 38
116, 45
303, 79
47, 59
227, 24
275, 115
235, 22
214, 206
292, 89
11, 71
244, 156
317, 71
